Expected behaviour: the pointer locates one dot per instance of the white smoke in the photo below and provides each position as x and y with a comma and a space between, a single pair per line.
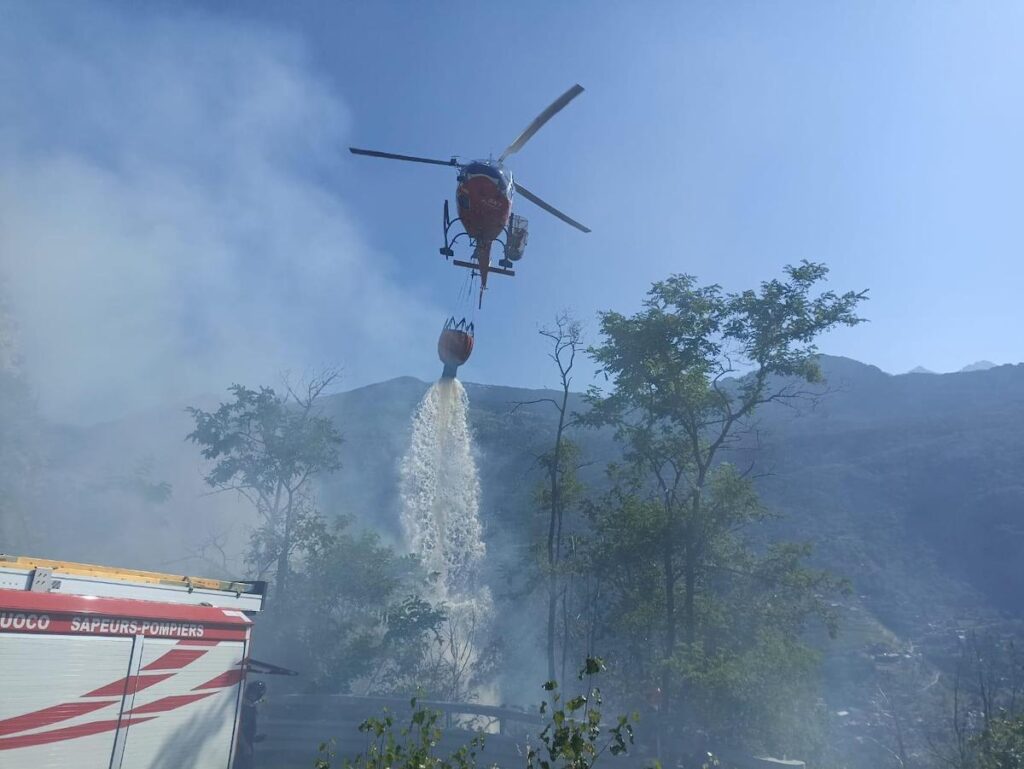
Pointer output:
169, 215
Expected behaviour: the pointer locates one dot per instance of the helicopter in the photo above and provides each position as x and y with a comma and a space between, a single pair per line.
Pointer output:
483, 198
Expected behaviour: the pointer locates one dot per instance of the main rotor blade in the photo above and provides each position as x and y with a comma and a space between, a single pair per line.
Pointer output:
556, 106
548, 207
411, 158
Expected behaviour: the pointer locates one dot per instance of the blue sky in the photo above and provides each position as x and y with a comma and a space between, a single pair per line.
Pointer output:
719, 139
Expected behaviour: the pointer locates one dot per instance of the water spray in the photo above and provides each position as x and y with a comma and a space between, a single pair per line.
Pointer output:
440, 495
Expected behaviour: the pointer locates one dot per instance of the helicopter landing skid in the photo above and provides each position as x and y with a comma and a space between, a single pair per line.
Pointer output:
490, 270
446, 250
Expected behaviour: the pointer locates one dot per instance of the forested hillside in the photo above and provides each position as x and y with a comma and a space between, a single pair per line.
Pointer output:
908, 486
897, 480
911, 485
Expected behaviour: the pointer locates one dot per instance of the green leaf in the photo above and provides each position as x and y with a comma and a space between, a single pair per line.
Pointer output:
576, 703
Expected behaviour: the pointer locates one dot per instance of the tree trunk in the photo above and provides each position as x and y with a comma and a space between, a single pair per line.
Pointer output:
670, 618
555, 532
692, 550
690, 585
552, 612
283, 555
565, 628
553, 558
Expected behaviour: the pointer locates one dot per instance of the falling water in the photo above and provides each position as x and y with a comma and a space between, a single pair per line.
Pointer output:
440, 493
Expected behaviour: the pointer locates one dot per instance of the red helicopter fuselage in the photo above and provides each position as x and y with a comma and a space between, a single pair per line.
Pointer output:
484, 201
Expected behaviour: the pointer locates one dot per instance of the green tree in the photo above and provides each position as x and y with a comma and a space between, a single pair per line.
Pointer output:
358, 619
560, 488
269, 447
1001, 744
688, 372
982, 722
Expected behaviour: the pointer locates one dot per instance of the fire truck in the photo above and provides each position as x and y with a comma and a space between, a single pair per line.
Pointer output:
106, 668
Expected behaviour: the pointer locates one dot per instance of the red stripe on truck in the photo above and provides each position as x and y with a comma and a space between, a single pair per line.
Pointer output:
87, 623
52, 715
137, 684
175, 659
170, 703
228, 678
62, 603
67, 733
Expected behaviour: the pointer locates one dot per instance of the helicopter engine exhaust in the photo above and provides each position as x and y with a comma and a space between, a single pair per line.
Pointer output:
454, 346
